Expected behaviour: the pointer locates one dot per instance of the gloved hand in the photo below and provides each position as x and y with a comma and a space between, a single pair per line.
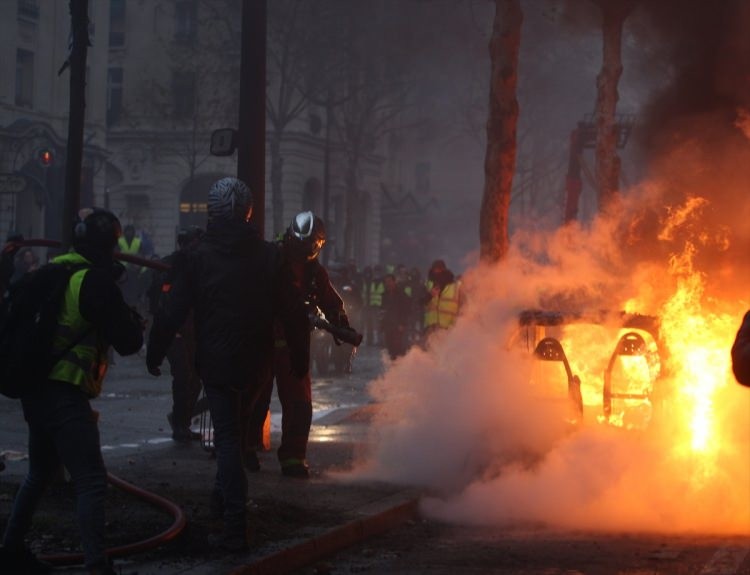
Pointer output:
118, 270
153, 363
153, 369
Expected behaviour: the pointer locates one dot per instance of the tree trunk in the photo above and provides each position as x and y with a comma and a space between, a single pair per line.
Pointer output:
352, 196
614, 13
500, 158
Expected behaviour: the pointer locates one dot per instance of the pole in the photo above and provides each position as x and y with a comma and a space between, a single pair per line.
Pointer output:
79, 19
327, 171
251, 145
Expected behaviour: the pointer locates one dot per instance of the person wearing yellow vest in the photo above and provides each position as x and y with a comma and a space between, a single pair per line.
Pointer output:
129, 243
374, 307
444, 300
62, 426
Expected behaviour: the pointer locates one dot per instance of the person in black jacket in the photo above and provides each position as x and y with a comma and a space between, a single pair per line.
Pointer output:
186, 383
300, 247
231, 281
62, 426
741, 352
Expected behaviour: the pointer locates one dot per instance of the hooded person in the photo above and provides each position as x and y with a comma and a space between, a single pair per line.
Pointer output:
232, 282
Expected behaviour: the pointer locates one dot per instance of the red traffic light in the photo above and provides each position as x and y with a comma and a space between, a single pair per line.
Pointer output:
46, 158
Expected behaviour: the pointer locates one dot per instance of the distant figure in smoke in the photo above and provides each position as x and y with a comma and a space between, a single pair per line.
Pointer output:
445, 298
741, 352
396, 317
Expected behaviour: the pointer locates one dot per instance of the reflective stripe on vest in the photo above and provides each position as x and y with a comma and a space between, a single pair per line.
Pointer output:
86, 363
442, 309
131, 249
376, 294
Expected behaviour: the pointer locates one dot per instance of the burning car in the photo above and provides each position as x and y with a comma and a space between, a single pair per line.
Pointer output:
608, 363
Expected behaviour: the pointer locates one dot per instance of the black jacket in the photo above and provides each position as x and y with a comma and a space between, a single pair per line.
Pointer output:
232, 281
102, 304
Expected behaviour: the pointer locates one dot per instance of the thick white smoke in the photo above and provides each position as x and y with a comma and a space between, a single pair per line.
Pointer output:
461, 419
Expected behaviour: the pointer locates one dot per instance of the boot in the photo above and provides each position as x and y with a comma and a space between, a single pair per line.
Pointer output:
297, 468
250, 459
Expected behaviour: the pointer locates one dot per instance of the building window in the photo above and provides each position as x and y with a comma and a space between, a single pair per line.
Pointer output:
183, 88
28, 9
184, 21
24, 78
114, 95
116, 23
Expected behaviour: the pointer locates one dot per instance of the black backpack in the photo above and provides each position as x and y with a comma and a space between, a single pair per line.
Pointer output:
28, 321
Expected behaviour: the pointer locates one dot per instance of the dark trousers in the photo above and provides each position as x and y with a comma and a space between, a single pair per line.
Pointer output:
186, 384
395, 340
295, 395
62, 430
230, 485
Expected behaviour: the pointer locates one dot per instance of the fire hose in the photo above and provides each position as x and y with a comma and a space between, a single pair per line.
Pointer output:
139, 546
128, 258
179, 517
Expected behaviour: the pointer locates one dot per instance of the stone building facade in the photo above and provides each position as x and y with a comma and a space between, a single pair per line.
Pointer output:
162, 74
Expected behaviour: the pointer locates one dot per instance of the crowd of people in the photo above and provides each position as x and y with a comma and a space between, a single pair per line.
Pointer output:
397, 306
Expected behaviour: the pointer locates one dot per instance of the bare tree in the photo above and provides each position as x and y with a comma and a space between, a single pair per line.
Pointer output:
198, 90
500, 158
376, 69
614, 14
289, 90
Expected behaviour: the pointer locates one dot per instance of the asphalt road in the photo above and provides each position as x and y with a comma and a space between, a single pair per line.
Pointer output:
133, 411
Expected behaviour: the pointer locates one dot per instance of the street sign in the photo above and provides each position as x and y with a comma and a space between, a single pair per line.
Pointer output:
12, 183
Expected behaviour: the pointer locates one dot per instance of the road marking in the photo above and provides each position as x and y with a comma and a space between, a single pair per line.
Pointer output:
726, 561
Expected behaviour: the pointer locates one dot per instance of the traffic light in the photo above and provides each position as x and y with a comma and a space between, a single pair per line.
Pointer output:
46, 157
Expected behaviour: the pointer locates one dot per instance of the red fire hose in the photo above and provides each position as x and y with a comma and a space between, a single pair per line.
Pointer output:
131, 259
139, 546
179, 517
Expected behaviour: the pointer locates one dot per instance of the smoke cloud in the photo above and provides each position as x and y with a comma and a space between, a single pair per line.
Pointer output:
462, 419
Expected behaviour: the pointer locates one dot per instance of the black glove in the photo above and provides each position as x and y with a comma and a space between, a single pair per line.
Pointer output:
153, 363
117, 270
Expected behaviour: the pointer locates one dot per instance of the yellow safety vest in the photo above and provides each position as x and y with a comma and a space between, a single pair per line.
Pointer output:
85, 364
133, 249
442, 309
376, 294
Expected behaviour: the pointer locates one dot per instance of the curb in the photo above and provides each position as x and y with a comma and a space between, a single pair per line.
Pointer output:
379, 517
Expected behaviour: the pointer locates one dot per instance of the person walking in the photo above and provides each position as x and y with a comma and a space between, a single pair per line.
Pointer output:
186, 383
300, 246
231, 280
444, 299
396, 317
63, 428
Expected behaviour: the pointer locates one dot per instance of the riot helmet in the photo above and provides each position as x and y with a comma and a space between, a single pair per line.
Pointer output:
307, 235
229, 199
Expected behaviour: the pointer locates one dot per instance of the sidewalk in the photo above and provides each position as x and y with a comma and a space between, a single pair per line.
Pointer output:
296, 522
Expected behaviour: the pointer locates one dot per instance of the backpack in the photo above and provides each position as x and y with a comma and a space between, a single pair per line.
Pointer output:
28, 321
